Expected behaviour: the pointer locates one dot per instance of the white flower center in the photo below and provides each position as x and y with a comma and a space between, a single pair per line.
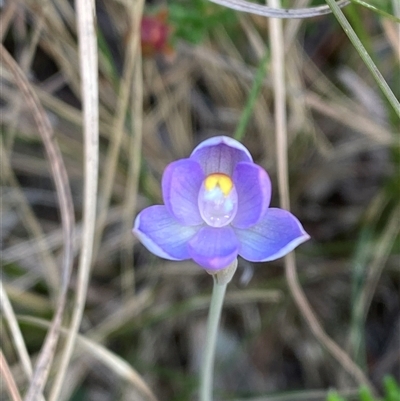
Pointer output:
218, 200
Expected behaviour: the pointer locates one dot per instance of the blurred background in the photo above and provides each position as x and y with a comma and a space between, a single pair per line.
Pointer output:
188, 78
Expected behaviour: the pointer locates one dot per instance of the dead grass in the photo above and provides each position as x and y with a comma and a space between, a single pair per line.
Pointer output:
143, 318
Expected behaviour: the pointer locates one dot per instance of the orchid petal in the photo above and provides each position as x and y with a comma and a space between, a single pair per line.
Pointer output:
163, 235
214, 248
253, 188
277, 234
181, 184
220, 154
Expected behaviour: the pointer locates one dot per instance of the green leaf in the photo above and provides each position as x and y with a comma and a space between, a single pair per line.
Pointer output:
365, 394
392, 389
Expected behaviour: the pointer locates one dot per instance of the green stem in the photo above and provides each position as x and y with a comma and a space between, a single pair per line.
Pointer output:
251, 100
214, 314
364, 55
376, 10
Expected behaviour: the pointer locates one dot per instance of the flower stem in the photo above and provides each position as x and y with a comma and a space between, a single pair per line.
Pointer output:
214, 314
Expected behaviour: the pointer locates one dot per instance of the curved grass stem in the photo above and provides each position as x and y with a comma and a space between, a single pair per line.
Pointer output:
277, 12
60, 176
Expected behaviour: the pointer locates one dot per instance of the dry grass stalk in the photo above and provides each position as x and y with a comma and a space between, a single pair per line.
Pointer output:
9, 379
278, 71
89, 82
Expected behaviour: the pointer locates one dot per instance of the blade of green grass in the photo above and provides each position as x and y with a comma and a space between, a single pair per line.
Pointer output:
364, 55
253, 95
376, 10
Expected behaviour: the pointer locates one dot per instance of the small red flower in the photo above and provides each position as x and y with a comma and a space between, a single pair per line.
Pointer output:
155, 34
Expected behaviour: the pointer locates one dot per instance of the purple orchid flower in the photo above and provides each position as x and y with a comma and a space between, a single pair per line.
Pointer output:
216, 208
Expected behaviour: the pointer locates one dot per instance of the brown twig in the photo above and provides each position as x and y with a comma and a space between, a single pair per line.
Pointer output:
277, 54
315, 326
9, 379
